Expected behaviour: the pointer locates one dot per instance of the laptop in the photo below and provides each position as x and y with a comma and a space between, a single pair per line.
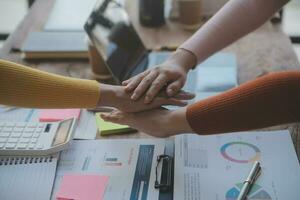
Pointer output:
125, 55
115, 38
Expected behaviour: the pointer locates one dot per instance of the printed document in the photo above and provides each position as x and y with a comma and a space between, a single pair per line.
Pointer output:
215, 167
129, 164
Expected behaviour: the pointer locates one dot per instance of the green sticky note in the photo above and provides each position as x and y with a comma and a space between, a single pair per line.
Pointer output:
109, 128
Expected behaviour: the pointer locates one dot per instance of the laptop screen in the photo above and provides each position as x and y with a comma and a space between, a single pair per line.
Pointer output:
116, 40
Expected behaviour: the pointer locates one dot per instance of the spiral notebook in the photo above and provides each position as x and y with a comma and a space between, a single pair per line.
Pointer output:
27, 177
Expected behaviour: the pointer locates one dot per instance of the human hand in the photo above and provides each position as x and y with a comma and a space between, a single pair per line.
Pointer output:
158, 122
170, 74
116, 96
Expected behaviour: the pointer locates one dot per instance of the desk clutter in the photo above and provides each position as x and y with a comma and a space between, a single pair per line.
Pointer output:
126, 168
186, 167
63, 36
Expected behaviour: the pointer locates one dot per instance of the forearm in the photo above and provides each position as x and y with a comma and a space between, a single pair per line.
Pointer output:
179, 122
236, 19
270, 100
26, 87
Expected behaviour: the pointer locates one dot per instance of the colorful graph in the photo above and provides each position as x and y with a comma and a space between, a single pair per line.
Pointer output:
240, 147
256, 193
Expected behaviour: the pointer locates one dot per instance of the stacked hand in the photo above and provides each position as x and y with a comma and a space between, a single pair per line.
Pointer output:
140, 102
116, 96
158, 122
169, 76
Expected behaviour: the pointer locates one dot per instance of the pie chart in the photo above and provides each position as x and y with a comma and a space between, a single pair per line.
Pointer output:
240, 152
256, 193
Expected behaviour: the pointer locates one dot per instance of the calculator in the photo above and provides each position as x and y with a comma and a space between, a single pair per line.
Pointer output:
35, 138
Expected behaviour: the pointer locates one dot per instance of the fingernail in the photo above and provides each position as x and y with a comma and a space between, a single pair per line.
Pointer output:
170, 92
127, 87
147, 100
133, 97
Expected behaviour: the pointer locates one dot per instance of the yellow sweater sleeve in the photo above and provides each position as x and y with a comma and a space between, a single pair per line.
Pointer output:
23, 86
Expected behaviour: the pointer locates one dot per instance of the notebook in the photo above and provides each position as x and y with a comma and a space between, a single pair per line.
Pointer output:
39, 45
27, 177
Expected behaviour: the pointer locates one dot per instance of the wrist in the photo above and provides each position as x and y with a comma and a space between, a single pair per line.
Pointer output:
108, 95
179, 122
185, 59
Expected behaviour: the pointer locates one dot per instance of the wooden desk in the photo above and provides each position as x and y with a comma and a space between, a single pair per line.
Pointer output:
265, 50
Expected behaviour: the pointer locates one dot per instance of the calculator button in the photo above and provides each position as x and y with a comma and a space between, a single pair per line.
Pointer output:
24, 140
7, 129
36, 135
12, 140
31, 146
29, 130
10, 145
4, 134
40, 146
41, 126
27, 135
33, 140
39, 130
22, 146
16, 135
18, 129
10, 124
21, 124
1, 145
2, 123
3, 139
32, 125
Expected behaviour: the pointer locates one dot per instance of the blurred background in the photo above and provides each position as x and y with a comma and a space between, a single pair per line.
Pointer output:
13, 11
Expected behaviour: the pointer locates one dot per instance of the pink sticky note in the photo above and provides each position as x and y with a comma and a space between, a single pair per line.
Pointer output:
82, 187
52, 115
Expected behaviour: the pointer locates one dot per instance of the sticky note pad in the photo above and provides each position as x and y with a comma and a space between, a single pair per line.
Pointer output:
82, 187
108, 128
52, 115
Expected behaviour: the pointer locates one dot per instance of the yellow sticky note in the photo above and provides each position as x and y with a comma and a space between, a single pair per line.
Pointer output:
108, 128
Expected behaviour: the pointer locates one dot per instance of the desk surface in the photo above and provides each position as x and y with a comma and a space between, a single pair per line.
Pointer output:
265, 50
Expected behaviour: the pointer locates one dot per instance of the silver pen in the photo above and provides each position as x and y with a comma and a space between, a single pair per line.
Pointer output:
252, 177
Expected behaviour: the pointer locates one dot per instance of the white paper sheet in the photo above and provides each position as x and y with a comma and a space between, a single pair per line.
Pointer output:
116, 158
86, 126
211, 167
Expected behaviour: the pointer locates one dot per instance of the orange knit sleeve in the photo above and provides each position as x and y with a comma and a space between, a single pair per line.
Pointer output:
23, 86
273, 99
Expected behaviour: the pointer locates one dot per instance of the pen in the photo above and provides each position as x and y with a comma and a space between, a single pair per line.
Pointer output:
102, 109
252, 177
